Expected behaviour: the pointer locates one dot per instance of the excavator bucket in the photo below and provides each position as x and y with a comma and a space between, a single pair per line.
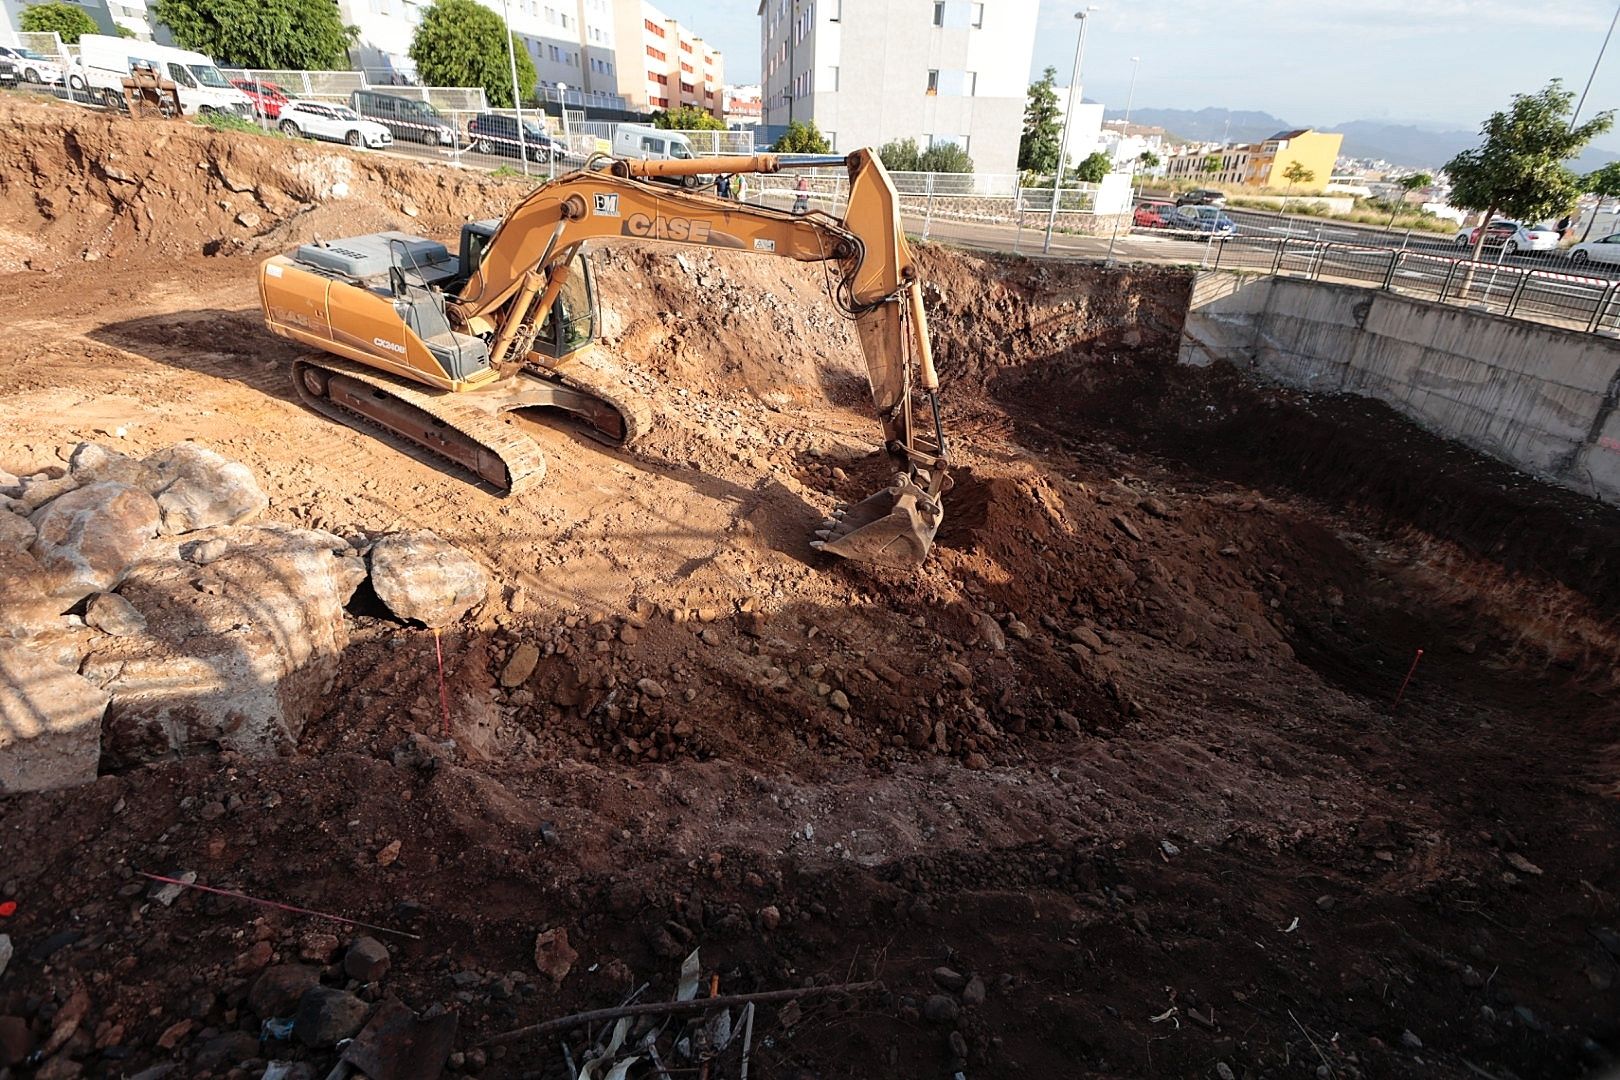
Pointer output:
894, 527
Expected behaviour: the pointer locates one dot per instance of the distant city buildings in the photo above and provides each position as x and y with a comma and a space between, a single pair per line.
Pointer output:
870, 71
743, 106
618, 54
1261, 164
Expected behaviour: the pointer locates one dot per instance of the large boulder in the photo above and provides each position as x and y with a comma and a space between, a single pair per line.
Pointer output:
16, 531
239, 653
90, 462
93, 534
424, 579
199, 489
50, 722
27, 605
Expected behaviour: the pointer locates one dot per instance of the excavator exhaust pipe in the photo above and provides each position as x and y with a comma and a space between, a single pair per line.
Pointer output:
894, 527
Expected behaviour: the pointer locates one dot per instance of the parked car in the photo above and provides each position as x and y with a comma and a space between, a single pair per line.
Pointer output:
1153, 215
1204, 219
10, 79
497, 133
1511, 235
1201, 197
409, 119
337, 123
1606, 250
266, 97
32, 66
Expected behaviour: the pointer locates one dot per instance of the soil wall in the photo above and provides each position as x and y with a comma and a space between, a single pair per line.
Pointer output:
1538, 397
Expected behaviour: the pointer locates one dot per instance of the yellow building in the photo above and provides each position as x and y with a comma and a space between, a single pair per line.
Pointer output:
1261, 164
1316, 151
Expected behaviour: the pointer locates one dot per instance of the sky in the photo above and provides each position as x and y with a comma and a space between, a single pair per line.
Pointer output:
1443, 62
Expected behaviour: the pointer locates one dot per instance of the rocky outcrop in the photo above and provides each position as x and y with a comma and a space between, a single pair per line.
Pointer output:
50, 722
238, 653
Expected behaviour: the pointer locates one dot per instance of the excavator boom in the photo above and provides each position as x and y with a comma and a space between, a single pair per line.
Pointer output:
495, 333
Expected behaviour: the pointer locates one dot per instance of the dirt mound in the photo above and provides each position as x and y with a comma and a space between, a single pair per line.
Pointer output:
85, 185
1125, 748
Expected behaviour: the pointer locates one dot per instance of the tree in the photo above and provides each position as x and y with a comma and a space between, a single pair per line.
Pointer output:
1043, 126
1407, 184
798, 138
261, 33
464, 43
1210, 165
1605, 184
1148, 160
1091, 170
945, 158
65, 20
1296, 173
900, 155
1519, 168
687, 118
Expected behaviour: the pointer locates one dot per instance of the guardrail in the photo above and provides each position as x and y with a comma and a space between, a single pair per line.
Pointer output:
1567, 298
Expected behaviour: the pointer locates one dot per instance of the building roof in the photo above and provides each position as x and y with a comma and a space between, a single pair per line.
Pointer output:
1296, 133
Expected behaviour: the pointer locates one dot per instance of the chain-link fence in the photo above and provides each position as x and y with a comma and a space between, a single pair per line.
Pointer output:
1574, 299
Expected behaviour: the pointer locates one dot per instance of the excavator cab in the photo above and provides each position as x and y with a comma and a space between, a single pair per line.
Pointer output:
571, 323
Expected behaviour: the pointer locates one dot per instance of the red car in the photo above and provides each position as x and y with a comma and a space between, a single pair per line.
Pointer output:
267, 97
1153, 215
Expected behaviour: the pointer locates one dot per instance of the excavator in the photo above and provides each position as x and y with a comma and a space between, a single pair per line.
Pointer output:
456, 353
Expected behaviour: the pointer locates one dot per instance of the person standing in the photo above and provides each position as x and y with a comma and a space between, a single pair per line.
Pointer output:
722, 186
801, 200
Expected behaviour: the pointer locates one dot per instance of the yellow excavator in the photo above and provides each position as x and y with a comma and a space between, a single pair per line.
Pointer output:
456, 353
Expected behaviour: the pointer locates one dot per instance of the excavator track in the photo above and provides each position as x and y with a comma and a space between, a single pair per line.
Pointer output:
593, 374
450, 427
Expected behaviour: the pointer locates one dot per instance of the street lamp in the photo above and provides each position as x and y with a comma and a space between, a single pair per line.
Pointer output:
1068, 118
1601, 50
517, 99
1130, 95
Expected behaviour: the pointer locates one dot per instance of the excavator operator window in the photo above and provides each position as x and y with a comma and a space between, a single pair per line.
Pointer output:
574, 312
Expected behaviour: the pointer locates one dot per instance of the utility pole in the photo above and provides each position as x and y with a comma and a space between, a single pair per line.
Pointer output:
1130, 95
517, 98
1068, 119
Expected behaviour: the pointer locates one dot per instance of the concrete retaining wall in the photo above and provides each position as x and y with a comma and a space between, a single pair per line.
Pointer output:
1538, 397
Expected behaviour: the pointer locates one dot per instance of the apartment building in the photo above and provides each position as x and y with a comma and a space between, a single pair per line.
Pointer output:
665, 65
742, 106
868, 71
572, 43
1262, 164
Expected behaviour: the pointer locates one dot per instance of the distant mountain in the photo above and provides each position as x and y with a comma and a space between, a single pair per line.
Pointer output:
1400, 144
1207, 125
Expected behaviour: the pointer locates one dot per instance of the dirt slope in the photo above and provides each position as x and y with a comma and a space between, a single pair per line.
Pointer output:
1124, 747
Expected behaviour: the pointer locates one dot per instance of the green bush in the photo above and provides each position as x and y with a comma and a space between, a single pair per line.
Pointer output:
65, 20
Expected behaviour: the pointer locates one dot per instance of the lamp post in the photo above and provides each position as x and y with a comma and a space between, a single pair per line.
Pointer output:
517, 98
1068, 118
1601, 50
1130, 95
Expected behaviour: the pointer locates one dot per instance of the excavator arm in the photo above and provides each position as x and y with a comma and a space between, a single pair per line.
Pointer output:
526, 263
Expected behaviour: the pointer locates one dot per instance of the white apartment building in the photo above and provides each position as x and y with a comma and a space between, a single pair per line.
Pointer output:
1085, 130
868, 71
571, 42
664, 65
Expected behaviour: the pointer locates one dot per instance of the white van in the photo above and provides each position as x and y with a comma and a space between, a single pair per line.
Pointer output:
105, 61
635, 141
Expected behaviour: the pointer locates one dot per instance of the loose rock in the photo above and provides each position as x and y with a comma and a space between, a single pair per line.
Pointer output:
277, 990
553, 955
197, 488
50, 723
325, 1016
520, 666
93, 535
424, 579
112, 614
941, 1009
367, 960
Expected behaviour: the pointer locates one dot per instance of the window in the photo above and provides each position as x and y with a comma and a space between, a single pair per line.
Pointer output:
686, 67
978, 16
656, 54
933, 82
939, 14
686, 46
181, 76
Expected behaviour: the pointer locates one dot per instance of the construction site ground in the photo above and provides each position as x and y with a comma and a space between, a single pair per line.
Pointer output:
1125, 747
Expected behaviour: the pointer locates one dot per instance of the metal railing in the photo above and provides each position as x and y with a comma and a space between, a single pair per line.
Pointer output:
1574, 299
338, 85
